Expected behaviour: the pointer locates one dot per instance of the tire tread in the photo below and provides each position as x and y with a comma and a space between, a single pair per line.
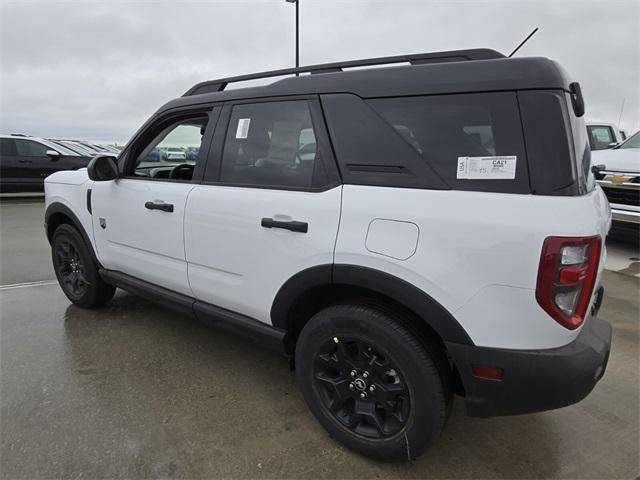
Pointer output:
425, 355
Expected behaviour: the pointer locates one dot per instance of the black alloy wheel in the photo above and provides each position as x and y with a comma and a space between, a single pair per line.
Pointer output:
362, 387
71, 268
372, 384
76, 269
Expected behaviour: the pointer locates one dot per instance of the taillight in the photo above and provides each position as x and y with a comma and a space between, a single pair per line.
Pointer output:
566, 277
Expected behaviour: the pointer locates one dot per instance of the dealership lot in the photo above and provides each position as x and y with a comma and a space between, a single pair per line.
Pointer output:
133, 390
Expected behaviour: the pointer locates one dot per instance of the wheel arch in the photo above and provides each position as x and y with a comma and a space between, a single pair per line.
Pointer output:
314, 288
57, 214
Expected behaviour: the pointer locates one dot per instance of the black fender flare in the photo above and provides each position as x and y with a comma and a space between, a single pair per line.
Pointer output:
60, 208
418, 301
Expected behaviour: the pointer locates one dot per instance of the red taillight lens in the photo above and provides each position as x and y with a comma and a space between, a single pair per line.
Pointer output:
566, 277
571, 275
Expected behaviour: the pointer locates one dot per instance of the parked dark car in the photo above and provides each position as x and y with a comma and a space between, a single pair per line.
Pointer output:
26, 161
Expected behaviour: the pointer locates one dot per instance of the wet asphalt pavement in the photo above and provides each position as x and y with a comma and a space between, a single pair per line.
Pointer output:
135, 391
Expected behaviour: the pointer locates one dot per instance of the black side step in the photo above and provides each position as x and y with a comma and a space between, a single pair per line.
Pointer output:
160, 295
272, 338
265, 335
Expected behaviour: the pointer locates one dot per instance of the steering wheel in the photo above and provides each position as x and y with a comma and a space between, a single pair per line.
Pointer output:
184, 171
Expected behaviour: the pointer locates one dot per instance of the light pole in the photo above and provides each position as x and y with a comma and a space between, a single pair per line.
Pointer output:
297, 2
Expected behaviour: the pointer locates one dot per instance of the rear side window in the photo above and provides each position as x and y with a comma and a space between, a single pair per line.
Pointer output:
272, 144
422, 141
472, 141
8, 147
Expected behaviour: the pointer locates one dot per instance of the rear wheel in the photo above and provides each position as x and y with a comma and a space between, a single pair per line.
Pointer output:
76, 271
370, 383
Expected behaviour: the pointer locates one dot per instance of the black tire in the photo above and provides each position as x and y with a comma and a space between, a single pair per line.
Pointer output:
408, 407
76, 271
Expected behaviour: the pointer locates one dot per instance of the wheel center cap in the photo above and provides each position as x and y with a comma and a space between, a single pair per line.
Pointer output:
360, 384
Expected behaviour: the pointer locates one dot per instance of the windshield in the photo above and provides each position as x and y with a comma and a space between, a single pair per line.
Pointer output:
632, 142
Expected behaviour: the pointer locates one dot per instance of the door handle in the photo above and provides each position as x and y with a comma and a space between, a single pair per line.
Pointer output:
165, 207
25, 161
292, 225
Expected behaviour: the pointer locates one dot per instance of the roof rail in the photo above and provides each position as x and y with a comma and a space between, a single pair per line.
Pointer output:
415, 59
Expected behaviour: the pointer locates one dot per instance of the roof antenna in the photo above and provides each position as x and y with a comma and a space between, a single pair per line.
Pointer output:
621, 110
523, 42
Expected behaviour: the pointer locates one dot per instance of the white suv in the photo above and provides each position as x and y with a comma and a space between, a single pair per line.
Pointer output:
402, 234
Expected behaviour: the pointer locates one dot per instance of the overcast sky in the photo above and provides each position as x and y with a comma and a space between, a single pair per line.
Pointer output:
96, 70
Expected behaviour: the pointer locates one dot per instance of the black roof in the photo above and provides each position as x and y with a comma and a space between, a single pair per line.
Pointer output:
460, 71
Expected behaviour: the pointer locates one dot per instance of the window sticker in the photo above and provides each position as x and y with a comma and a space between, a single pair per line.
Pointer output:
243, 128
487, 168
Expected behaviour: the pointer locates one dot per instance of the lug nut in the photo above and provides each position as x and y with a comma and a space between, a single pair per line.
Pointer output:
372, 388
365, 375
363, 395
351, 386
353, 373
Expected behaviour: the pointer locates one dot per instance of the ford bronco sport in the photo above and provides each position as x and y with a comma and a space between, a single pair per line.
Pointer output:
403, 234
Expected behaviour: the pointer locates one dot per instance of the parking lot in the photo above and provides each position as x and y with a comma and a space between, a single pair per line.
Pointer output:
133, 390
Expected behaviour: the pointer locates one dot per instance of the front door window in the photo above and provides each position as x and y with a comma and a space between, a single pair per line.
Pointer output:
174, 152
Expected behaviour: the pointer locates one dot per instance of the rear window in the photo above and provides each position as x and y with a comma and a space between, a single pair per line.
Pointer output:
472, 141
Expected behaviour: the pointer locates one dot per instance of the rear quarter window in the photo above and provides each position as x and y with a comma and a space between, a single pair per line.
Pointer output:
445, 128
439, 130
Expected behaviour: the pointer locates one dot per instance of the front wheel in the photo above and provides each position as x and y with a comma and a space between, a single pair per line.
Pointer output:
76, 271
371, 383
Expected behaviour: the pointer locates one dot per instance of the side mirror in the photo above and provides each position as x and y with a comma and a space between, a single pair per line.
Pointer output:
577, 100
102, 168
53, 155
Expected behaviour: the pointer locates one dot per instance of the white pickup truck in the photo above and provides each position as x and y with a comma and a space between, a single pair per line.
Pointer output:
618, 173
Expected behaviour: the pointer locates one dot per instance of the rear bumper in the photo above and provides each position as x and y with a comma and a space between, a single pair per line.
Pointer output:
534, 380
